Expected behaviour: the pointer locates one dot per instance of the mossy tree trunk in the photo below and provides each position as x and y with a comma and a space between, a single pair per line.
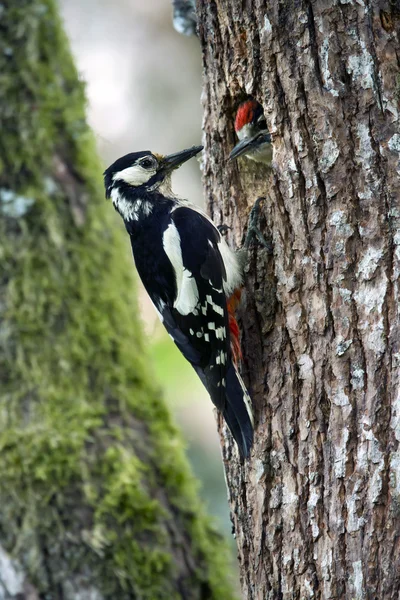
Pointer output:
96, 498
316, 508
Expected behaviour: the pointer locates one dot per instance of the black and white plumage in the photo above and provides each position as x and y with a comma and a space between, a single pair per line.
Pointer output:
188, 271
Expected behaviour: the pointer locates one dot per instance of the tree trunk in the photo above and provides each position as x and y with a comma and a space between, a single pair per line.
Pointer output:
316, 509
96, 498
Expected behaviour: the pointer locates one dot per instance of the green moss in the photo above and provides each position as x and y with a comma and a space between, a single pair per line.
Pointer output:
94, 477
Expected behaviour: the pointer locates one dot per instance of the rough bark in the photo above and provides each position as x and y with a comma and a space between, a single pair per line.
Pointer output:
97, 501
316, 509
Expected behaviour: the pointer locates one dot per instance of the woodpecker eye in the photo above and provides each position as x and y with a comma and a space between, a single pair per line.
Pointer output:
147, 163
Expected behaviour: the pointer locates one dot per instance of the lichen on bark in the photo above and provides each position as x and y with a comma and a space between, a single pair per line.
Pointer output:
96, 495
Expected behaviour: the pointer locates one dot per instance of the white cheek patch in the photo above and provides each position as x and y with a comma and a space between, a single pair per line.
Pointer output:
134, 175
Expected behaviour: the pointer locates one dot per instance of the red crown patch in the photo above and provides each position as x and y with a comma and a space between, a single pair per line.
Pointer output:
245, 113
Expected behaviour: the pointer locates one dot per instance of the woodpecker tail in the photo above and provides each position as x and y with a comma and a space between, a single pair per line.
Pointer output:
237, 411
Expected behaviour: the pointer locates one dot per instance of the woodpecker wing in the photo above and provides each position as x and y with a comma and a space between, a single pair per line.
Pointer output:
198, 320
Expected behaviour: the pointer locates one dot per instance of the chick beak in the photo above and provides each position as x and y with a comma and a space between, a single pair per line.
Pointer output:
249, 145
173, 161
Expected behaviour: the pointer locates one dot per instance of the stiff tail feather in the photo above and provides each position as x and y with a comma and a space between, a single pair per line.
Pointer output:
237, 411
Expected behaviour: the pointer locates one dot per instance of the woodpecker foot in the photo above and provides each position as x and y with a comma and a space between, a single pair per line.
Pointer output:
223, 229
253, 231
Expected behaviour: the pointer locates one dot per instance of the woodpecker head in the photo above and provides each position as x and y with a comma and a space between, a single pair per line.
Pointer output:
131, 179
251, 129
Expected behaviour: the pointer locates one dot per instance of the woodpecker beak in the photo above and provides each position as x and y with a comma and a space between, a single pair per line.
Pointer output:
250, 145
173, 161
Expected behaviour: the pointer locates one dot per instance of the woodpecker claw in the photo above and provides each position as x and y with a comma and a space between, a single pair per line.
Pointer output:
223, 229
253, 230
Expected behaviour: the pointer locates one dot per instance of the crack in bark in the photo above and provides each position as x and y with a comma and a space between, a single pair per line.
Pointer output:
313, 43
375, 60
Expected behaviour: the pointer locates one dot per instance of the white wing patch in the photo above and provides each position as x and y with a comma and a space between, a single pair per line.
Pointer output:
234, 276
187, 297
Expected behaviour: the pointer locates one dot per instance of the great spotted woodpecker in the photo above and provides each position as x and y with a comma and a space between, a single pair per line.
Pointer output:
190, 274
251, 129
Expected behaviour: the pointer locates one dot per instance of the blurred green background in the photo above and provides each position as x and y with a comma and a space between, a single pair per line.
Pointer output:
143, 83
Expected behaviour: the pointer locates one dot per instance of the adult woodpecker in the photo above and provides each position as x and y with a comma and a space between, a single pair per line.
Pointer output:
189, 273
251, 129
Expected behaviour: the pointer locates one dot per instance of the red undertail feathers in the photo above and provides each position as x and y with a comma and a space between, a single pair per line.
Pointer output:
233, 303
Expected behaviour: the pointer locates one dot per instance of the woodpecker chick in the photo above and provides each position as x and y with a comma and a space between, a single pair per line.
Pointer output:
189, 273
251, 129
